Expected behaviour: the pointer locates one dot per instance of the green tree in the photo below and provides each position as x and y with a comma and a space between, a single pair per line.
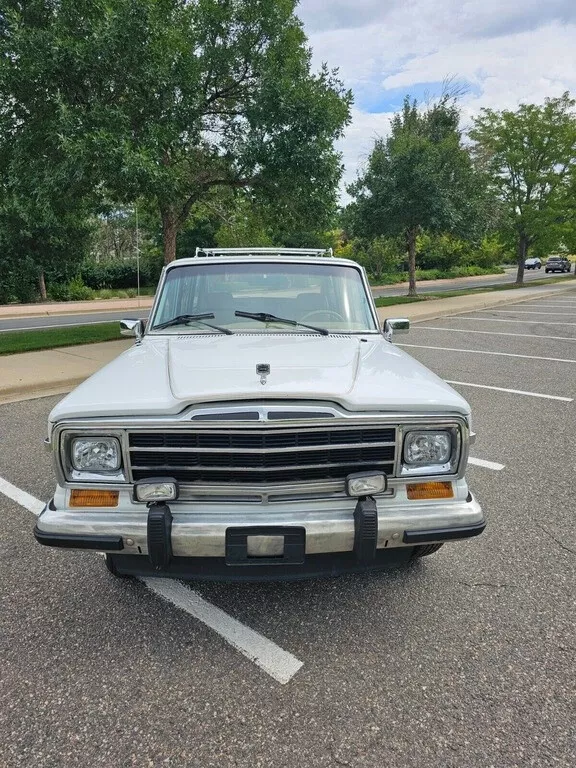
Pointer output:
528, 155
166, 100
418, 178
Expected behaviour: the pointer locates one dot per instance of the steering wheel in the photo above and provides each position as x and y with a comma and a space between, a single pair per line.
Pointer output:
322, 312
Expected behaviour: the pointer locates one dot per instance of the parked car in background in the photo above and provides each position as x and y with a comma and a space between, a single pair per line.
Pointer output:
558, 264
534, 263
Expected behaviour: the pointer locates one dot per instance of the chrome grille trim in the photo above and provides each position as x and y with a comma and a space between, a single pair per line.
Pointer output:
300, 448
270, 454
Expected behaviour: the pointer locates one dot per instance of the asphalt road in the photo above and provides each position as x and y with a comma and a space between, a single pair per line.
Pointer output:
463, 661
25, 323
56, 321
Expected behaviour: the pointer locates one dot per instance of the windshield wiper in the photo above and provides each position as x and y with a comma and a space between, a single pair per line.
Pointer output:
185, 319
264, 317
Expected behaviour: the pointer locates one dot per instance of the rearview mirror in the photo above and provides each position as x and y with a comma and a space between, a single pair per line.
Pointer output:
395, 325
132, 327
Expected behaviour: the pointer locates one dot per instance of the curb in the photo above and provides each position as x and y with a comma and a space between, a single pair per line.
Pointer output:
16, 394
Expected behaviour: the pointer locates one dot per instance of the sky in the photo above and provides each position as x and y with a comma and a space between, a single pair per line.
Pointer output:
503, 52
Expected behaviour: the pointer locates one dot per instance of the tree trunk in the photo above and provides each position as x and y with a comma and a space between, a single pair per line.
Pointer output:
522, 254
411, 239
42, 286
169, 232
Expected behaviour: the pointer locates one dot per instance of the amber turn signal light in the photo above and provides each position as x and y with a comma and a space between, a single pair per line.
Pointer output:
93, 498
434, 490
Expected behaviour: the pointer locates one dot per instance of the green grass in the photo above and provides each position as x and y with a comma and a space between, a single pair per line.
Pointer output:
386, 301
13, 342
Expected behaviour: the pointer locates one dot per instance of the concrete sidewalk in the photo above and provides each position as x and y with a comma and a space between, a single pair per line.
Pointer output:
55, 371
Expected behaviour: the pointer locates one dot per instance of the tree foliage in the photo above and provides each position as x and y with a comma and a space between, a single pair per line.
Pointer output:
167, 100
419, 177
529, 155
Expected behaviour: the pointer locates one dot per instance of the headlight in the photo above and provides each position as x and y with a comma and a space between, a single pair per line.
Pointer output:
95, 454
431, 451
427, 448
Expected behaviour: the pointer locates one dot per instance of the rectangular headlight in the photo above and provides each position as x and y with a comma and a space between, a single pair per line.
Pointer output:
95, 454
431, 451
423, 448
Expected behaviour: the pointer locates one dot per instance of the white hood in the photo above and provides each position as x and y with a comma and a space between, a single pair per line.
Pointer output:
165, 374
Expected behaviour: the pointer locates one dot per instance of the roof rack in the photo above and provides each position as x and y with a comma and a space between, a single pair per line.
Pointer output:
210, 252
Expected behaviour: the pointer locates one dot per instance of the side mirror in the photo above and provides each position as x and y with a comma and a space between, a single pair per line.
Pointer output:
132, 327
395, 325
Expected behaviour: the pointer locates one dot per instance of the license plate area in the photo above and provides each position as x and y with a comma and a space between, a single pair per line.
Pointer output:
265, 545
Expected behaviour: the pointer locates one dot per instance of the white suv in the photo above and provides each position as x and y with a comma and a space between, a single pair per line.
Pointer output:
263, 426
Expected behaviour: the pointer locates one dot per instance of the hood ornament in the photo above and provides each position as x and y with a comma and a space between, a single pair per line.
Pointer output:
263, 369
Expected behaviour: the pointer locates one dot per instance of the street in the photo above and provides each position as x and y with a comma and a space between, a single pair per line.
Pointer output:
463, 660
429, 286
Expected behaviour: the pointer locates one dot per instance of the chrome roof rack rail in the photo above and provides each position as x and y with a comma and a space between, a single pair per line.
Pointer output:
309, 252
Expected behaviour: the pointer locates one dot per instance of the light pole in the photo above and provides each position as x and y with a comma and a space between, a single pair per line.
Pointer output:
137, 256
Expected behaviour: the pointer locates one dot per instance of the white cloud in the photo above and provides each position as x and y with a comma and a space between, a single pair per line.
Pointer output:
509, 52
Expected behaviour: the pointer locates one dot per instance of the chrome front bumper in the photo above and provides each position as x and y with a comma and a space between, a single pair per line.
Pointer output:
197, 532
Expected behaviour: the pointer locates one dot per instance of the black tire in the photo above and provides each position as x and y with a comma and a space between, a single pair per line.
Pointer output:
110, 565
425, 549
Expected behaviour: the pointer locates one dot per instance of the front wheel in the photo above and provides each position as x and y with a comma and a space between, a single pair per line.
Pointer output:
425, 549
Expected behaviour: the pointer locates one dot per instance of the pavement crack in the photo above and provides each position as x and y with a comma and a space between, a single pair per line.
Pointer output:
486, 584
562, 546
73, 354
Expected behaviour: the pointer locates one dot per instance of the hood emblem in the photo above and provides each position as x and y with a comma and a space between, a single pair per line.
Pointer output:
263, 369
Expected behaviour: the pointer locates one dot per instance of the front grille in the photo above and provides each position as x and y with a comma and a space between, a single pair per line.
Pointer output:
263, 455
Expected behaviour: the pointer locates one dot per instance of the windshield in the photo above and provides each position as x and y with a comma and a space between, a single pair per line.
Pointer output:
328, 295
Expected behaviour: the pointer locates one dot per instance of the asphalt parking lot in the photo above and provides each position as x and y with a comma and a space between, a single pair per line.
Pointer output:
464, 660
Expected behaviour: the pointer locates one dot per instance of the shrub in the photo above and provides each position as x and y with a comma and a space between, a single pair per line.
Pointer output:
121, 273
77, 291
58, 292
381, 256
441, 251
490, 253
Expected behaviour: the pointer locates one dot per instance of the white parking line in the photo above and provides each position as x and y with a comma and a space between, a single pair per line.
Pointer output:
495, 333
528, 312
502, 320
486, 464
483, 352
21, 497
275, 661
512, 391
279, 664
547, 306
